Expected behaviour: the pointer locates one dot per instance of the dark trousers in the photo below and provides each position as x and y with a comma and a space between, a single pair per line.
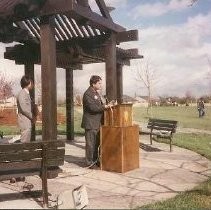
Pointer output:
201, 112
92, 138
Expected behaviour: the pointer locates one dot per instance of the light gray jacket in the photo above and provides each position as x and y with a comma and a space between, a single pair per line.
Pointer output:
24, 104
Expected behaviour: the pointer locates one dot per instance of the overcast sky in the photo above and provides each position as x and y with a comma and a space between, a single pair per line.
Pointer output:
174, 37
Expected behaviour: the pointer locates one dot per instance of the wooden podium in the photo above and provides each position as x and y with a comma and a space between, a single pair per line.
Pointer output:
119, 140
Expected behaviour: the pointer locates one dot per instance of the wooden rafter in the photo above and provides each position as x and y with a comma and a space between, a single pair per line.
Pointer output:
70, 55
127, 36
103, 9
95, 19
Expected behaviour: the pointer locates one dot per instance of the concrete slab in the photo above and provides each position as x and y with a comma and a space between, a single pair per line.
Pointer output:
161, 176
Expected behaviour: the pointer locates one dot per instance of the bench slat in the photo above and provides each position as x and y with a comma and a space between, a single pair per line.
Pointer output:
162, 121
31, 146
167, 125
9, 166
29, 155
172, 129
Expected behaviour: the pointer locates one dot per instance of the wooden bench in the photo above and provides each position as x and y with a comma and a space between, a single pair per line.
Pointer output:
35, 158
166, 129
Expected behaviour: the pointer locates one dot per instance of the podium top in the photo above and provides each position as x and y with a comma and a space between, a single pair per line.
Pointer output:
118, 115
122, 104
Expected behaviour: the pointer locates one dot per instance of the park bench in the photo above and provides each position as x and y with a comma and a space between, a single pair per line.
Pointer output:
162, 128
35, 158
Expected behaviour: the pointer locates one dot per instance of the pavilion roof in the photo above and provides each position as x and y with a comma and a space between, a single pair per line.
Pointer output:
74, 23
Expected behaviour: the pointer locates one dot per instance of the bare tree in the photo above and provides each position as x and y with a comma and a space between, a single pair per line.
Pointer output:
6, 86
38, 88
192, 2
145, 74
189, 97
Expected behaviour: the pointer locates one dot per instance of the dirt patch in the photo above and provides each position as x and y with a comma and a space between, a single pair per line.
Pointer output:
8, 116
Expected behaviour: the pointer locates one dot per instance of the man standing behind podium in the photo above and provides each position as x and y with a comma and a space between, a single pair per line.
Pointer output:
92, 119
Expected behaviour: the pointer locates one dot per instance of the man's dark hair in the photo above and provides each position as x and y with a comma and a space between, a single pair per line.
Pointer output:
94, 79
25, 81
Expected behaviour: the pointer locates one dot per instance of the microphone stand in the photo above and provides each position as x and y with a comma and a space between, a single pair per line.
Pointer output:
111, 109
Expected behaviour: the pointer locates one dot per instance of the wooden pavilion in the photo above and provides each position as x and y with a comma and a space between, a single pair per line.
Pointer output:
65, 34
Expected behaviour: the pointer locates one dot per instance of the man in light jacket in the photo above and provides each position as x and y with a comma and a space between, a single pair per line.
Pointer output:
25, 115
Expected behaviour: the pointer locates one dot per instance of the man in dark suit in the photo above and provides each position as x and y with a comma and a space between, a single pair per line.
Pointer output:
92, 118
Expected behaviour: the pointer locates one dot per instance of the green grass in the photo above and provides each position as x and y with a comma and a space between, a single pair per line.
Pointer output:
197, 142
186, 116
197, 198
9, 130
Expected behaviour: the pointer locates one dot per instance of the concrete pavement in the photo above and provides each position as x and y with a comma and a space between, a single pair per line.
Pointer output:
161, 176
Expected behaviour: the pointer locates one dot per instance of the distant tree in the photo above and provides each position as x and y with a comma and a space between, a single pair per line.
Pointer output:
6, 86
189, 97
192, 2
38, 88
145, 75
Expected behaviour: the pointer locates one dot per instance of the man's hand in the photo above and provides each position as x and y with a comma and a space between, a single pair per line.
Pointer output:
107, 106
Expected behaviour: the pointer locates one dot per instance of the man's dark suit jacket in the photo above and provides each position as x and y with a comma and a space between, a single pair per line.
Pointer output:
92, 110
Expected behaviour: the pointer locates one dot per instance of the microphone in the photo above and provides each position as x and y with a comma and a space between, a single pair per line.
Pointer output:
106, 99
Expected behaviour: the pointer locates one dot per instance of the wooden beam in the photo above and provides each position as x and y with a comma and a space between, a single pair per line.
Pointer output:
69, 104
103, 9
110, 54
95, 19
48, 77
125, 62
84, 3
129, 53
127, 36
52, 7
119, 83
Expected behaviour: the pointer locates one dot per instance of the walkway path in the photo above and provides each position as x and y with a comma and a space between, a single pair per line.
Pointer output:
161, 175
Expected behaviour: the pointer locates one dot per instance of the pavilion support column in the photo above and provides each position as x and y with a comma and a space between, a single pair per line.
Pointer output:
111, 75
29, 71
69, 104
48, 77
119, 83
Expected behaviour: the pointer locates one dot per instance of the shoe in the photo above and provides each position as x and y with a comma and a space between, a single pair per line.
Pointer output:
95, 167
12, 181
98, 164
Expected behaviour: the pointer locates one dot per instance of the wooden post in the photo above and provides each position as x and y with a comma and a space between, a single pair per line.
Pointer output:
48, 77
29, 71
44, 176
119, 84
69, 104
111, 75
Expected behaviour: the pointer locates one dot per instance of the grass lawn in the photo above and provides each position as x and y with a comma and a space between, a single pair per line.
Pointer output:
186, 116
